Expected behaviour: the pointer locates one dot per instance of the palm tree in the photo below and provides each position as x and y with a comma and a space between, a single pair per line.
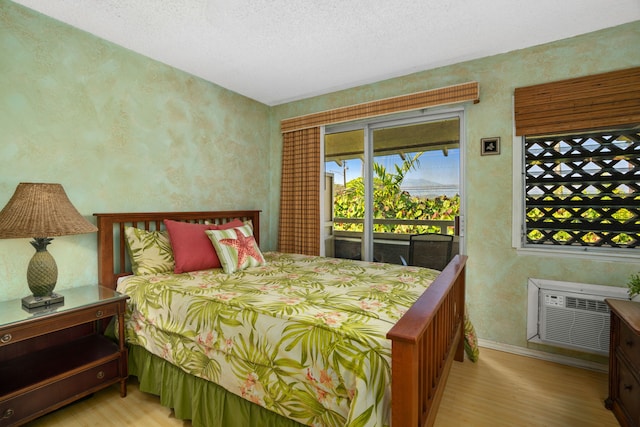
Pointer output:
386, 193
390, 182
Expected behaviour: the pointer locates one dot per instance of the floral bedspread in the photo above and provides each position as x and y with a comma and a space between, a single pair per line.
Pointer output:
302, 336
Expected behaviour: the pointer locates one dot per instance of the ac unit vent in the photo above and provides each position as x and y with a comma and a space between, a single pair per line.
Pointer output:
572, 315
587, 304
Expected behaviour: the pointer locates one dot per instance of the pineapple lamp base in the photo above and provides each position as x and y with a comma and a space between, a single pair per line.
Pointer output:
47, 301
42, 276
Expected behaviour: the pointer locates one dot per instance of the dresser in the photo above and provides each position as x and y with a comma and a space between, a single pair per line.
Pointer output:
624, 362
52, 356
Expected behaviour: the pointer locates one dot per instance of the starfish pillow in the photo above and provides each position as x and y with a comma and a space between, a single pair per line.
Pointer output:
237, 249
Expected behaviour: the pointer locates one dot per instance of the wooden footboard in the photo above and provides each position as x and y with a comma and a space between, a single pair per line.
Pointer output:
425, 341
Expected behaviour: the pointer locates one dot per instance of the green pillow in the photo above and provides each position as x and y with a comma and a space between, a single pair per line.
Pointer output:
149, 251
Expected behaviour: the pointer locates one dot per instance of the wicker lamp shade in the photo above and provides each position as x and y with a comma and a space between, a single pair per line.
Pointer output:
41, 211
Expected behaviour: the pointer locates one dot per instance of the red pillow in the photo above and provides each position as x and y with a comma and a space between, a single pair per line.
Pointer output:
192, 249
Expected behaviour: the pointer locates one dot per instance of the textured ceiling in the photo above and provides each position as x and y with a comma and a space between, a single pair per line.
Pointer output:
276, 51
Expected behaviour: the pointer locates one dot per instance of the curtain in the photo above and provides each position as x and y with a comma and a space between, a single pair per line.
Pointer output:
299, 230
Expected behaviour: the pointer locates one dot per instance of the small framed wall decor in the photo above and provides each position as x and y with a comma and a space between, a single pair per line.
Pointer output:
490, 146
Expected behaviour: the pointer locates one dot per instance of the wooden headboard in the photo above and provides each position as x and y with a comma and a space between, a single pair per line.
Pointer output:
112, 256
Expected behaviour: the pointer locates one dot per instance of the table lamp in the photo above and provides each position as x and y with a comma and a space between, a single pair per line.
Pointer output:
41, 211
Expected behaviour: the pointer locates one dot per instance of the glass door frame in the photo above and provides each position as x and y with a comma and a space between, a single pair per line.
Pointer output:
369, 126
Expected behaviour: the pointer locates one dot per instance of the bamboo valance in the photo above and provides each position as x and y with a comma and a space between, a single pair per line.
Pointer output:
430, 98
592, 102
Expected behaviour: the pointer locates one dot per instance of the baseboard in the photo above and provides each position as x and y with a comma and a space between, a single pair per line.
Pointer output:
550, 357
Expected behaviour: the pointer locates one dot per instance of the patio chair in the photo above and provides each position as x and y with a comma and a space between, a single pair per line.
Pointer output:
430, 250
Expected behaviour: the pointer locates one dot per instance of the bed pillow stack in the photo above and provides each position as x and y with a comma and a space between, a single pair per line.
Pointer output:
185, 247
192, 248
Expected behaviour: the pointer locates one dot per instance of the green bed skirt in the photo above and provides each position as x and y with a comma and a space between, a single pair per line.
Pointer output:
204, 403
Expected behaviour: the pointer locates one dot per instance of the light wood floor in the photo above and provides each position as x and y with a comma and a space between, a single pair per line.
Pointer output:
502, 389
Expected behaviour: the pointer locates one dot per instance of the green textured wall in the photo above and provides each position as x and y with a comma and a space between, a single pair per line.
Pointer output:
80, 111
121, 133
497, 275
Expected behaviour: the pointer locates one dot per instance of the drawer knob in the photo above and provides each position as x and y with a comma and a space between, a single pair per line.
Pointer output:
7, 414
629, 343
628, 387
6, 338
100, 375
99, 313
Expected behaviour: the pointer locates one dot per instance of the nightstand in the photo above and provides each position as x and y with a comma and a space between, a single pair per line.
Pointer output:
624, 362
52, 356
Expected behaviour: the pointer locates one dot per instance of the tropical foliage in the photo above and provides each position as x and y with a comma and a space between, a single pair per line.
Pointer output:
392, 203
579, 214
634, 285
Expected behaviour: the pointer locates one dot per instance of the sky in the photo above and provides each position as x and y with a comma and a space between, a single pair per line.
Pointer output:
434, 167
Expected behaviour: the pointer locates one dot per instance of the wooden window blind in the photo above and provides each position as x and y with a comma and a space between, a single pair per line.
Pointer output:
599, 101
442, 96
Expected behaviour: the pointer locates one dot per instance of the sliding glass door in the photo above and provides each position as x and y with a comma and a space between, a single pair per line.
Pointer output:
344, 164
388, 180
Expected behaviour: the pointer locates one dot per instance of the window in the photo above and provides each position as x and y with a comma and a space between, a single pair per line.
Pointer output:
583, 190
578, 146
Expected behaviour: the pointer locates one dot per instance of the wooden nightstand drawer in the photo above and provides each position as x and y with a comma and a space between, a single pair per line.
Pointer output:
56, 394
629, 344
624, 362
54, 323
629, 393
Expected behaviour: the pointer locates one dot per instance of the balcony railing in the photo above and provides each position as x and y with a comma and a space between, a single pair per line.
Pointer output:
442, 226
388, 247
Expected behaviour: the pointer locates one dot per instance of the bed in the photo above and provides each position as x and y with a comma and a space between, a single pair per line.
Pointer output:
398, 350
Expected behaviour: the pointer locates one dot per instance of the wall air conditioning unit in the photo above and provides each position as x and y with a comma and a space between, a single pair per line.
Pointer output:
570, 315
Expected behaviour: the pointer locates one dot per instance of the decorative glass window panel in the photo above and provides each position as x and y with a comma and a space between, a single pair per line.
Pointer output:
583, 190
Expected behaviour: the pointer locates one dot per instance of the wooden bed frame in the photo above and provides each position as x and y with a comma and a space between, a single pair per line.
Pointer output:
425, 340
